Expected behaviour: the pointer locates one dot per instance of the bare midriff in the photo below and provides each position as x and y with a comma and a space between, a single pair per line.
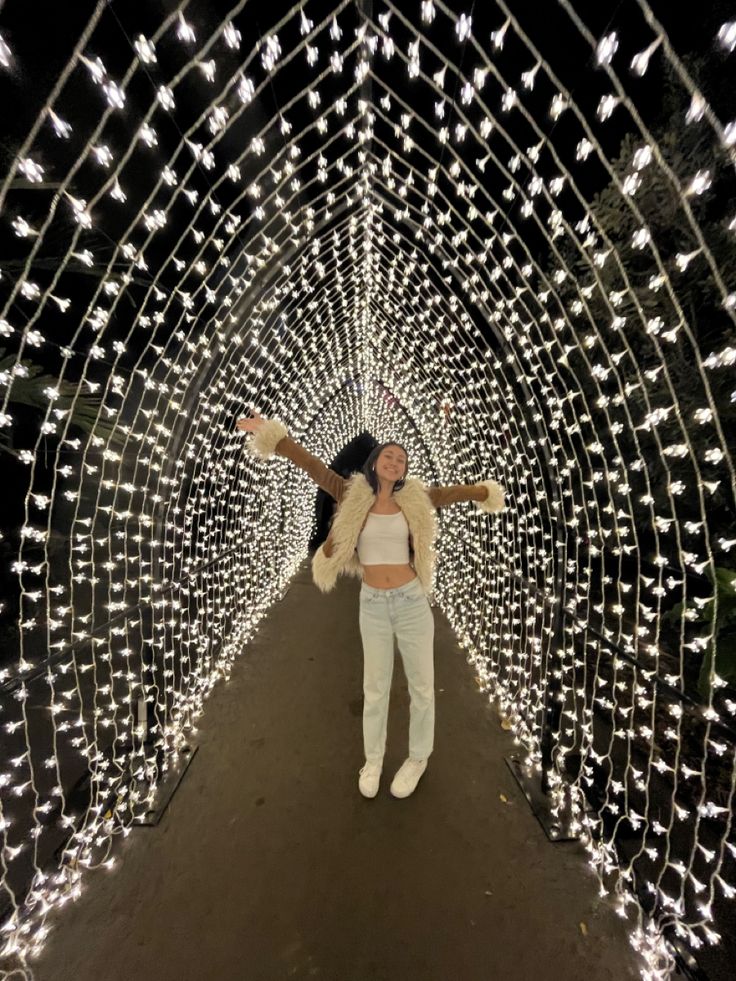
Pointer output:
387, 576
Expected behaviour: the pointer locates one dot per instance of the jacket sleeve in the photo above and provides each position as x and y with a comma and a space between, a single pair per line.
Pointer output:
487, 495
273, 437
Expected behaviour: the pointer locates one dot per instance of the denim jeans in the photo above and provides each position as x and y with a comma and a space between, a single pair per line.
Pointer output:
403, 612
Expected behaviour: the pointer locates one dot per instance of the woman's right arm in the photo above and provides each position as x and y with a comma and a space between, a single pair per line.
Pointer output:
271, 436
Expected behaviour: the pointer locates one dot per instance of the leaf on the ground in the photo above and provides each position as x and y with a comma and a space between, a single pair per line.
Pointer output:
504, 798
584, 929
506, 724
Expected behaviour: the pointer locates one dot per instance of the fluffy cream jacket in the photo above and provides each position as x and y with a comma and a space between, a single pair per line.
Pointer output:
355, 498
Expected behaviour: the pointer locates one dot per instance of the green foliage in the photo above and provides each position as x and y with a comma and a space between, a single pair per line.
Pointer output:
31, 387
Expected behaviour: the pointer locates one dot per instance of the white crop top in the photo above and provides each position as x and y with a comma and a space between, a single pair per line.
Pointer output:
384, 540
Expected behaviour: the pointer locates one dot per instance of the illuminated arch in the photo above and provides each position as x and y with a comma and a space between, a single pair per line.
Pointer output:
400, 226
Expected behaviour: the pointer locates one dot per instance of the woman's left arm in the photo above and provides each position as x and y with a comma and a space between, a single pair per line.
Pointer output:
487, 495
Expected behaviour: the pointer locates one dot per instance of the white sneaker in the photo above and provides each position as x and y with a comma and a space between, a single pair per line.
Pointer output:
370, 777
405, 781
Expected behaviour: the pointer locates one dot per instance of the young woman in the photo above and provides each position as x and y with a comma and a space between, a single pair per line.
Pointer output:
383, 532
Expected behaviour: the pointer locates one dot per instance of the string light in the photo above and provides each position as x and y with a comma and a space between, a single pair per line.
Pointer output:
5, 53
356, 263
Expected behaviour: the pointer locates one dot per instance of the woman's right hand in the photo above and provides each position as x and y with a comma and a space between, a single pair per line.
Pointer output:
247, 425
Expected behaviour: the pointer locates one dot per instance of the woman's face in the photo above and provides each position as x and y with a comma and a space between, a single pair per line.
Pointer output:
391, 463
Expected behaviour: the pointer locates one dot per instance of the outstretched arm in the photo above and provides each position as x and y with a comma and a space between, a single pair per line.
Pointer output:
271, 436
487, 494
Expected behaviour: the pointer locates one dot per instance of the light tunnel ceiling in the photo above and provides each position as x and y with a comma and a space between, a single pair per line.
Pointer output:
505, 240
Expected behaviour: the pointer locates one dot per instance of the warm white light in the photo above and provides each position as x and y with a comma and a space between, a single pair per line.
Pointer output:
5, 53
405, 245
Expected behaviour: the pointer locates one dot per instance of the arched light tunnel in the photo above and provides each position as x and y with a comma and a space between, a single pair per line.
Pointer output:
499, 235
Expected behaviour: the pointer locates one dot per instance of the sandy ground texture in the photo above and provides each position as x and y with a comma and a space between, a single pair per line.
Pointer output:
269, 864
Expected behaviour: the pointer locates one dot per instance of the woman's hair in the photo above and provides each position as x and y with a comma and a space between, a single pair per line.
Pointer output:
370, 474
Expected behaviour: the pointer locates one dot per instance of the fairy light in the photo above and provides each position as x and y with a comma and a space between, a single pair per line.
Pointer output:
6, 54
607, 48
333, 270
727, 35
146, 50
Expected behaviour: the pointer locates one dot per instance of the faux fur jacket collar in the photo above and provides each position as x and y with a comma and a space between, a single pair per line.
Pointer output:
338, 554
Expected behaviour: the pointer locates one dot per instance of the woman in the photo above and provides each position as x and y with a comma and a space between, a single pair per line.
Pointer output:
383, 532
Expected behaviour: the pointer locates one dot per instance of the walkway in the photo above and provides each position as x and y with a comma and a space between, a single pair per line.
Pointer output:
269, 864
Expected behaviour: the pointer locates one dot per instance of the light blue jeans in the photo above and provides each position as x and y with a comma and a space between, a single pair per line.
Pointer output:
403, 612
